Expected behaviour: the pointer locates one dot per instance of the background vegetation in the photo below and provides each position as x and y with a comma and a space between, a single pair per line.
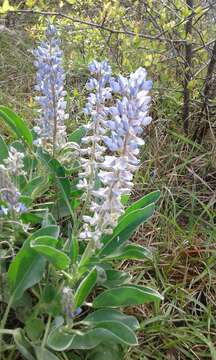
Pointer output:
175, 41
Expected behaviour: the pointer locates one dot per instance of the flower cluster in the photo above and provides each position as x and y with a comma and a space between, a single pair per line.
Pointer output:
50, 127
93, 153
14, 162
98, 111
122, 126
9, 194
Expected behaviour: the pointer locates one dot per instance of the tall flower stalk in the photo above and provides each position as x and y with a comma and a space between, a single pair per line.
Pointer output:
121, 134
50, 129
93, 153
9, 193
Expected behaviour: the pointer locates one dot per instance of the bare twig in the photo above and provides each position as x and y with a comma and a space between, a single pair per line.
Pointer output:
200, 132
203, 46
188, 63
94, 25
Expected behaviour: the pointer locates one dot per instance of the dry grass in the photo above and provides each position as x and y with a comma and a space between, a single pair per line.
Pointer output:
182, 236
16, 80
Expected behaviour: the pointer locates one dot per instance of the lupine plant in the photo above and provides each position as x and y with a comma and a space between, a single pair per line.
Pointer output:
65, 223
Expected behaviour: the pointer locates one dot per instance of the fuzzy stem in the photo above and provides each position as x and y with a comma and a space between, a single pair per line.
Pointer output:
4, 320
46, 332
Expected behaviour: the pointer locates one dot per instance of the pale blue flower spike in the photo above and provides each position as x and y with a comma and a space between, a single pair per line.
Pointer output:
118, 128
50, 84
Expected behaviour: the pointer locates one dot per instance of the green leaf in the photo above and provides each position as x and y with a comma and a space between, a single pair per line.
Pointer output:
17, 124
4, 150
85, 288
135, 217
126, 295
94, 337
25, 270
6, 7
35, 187
106, 351
101, 315
19, 146
23, 345
130, 252
59, 259
48, 220
28, 266
143, 202
121, 330
115, 278
59, 340
76, 135
45, 245
74, 249
34, 328
33, 217
44, 240
60, 209
49, 293
61, 179
126, 228
50, 230
44, 354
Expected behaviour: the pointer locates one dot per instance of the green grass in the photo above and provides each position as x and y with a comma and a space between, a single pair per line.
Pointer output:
181, 235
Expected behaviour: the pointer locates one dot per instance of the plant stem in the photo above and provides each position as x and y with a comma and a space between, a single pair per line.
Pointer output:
7, 331
46, 332
67, 275
3, 322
